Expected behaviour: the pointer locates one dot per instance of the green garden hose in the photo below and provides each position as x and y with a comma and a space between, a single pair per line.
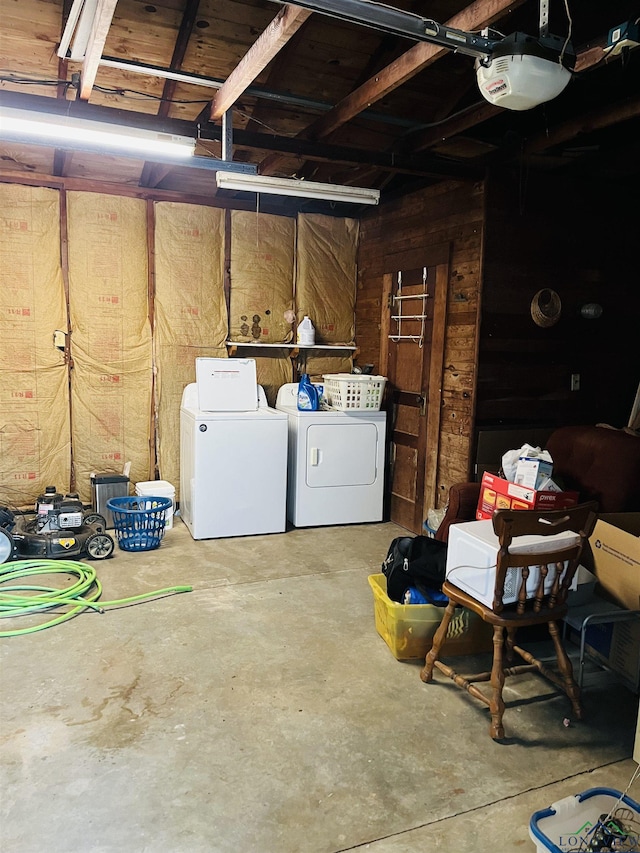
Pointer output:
22, 599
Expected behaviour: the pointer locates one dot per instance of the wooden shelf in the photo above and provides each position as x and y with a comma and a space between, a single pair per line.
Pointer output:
294, 349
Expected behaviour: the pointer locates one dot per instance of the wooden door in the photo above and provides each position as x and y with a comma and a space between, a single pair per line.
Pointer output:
413, 332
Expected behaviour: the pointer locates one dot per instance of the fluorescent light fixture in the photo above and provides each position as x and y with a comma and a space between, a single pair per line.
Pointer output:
78, 27
26, 125
291, 187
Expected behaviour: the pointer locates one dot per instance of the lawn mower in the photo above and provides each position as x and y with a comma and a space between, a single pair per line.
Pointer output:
59, 527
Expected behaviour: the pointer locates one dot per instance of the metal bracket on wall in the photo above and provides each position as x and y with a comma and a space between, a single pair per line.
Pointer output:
398, 298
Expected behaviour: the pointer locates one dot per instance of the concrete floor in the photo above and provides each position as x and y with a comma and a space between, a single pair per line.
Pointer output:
261, 713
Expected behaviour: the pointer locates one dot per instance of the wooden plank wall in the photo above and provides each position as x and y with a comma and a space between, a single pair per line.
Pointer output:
450, 213
569, 235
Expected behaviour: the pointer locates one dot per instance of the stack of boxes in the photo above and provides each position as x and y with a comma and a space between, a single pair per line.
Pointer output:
615, 547
532, 487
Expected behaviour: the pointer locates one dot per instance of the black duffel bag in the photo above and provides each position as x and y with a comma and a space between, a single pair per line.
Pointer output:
414, 561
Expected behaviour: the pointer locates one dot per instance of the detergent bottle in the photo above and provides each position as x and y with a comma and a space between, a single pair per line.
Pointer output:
307, 395
306, 332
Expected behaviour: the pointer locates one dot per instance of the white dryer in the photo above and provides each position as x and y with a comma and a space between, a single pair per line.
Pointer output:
336, 464
233, 469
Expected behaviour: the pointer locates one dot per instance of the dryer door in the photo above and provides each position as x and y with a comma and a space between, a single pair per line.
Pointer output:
341, 454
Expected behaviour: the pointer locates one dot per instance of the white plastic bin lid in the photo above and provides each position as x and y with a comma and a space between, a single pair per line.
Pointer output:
156, 487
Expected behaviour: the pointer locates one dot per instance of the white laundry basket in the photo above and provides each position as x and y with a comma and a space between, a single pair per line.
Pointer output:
354, 392
161, 489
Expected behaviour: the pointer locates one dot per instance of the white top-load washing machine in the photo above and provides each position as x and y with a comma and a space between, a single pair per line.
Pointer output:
233, 469
336, 463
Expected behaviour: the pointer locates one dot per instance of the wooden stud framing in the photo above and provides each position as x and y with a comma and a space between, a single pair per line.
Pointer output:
151, 295
64, 266
434, 402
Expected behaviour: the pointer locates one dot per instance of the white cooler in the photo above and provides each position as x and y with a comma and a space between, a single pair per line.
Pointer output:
159, 489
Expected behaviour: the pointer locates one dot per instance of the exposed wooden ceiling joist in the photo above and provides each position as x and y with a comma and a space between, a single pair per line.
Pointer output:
148, 178
61, 159
318, 106
285, 25
479, 14
476, 16
184, 34
588, 123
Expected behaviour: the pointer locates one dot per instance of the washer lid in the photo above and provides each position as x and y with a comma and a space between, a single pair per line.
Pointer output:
264, 414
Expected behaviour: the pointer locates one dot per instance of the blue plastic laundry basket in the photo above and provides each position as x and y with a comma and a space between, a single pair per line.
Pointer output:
139, 521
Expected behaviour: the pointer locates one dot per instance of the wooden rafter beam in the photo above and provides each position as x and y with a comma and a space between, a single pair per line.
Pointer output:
277, 72
61, 162
180, 48
285, 24
422, 139
588, 123
590, 56
586, 59
480, 14
62, 159
156, 173
148, 176
97, 38
323, 152
61, 89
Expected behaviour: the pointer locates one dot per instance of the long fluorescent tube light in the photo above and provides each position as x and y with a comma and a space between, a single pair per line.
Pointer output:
25, 124
291, 187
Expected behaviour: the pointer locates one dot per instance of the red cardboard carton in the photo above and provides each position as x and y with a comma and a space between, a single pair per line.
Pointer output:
496, 493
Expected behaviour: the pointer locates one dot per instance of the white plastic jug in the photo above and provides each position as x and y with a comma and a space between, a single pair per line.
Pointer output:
306, 332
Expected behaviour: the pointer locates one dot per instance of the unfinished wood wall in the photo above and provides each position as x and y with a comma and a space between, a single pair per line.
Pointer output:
450, 213
571, 236
509, 240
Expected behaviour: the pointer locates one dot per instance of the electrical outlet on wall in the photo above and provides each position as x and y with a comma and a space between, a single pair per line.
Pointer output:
575, 381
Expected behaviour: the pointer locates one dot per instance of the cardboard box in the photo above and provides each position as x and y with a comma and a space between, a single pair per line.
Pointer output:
533, 469
615, 545
497, 493
227, 384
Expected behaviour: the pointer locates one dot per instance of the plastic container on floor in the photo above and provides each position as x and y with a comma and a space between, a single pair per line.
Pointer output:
573, 823
139, 522
164, 490
408, 629
104, 487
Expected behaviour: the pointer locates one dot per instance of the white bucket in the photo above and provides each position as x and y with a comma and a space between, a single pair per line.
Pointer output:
160, 489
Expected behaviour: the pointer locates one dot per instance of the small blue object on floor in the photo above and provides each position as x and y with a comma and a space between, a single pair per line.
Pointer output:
425, 596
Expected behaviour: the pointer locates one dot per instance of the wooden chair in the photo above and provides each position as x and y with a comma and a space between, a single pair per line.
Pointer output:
540, 608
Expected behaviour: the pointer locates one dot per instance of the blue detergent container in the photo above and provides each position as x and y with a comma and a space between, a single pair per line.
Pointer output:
308, 400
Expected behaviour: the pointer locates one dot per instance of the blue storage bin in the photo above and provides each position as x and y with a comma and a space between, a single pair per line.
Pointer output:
571, 823
139, 522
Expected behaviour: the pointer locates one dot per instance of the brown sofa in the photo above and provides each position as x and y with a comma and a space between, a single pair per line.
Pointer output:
599, 462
